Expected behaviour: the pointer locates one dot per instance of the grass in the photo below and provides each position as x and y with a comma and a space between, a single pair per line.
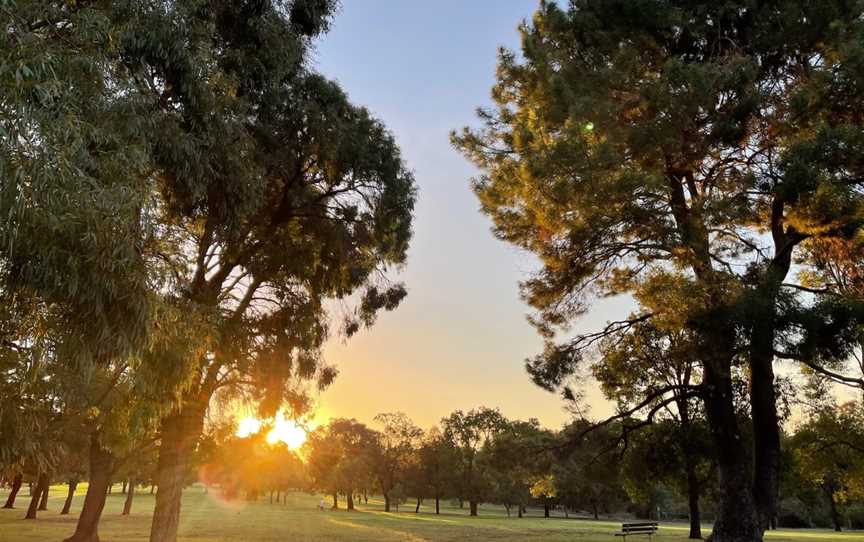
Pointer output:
206, 518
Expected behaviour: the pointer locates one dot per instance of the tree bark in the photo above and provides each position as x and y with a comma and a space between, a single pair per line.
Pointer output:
16, 487
350, 501
43, 500
335, 501
472, 505
41, 487
386, 502
519, 511
179, 433
836, 520
123, 487
437, 505
101, 467
693, 502
417, 508
736, 515
73, 484
130, 494
545, 510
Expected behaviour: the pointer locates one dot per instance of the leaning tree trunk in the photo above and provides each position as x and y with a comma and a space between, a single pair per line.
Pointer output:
736, 519
16, 487
130, 494
179, 433
101, 468
73, 484
41, 487
43, 500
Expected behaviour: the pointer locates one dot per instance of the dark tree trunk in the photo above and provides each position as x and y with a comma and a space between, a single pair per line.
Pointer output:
271, 496
766, 424
123, 488
41, 487
73, 484
836, 520
596, 510
130, 494
736, 515
152, 488
519, 511
545, 510
101, 467
180, 431
472, 505
16, 487
350, 501
417, 508
335, 501
693, 502
365, 497
437, 505
386, 502
43, 500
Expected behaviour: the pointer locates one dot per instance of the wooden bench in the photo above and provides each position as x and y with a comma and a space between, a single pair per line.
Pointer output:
633, 528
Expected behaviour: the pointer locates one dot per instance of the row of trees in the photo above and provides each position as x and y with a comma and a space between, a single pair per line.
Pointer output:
704, 159
182, 197
481, 457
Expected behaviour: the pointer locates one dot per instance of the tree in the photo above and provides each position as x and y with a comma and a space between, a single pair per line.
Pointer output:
470, 433
391, 456
434, 469
339, 457
829, 449
634, 141
657, 372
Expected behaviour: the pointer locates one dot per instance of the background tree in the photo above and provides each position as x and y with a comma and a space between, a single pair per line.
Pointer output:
391, 456
471, 432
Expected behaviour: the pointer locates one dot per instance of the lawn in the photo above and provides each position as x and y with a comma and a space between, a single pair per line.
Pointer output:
206, 518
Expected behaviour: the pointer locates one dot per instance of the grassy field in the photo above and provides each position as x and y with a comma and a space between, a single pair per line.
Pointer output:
208, 519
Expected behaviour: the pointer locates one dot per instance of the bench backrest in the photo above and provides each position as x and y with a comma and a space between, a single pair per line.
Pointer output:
639, 527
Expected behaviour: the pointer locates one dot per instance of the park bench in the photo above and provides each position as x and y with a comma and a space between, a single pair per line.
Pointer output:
638, 527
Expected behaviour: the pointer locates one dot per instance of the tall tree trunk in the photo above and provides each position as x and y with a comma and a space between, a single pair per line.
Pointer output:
335, 501
101, 467
386, 502
545, 510
73, 484
43, 499
736, 519
417, 508
16, 487
766, 424
836, 520
437, 505
130, 494
472, 505
693, 502
350, 501
519, 510
123, 488
41, 487
596, 510
179, 433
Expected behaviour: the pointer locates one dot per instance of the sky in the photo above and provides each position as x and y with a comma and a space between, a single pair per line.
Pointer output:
460, 338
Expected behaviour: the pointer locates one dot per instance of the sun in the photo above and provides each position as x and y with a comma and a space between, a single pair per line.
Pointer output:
284, 430
288, 432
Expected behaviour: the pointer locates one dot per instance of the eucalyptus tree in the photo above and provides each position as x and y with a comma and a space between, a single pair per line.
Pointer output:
472, 433
282, 195
390, 457
632, 142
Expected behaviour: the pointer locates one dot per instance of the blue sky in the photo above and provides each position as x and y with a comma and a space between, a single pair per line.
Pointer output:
460, 338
